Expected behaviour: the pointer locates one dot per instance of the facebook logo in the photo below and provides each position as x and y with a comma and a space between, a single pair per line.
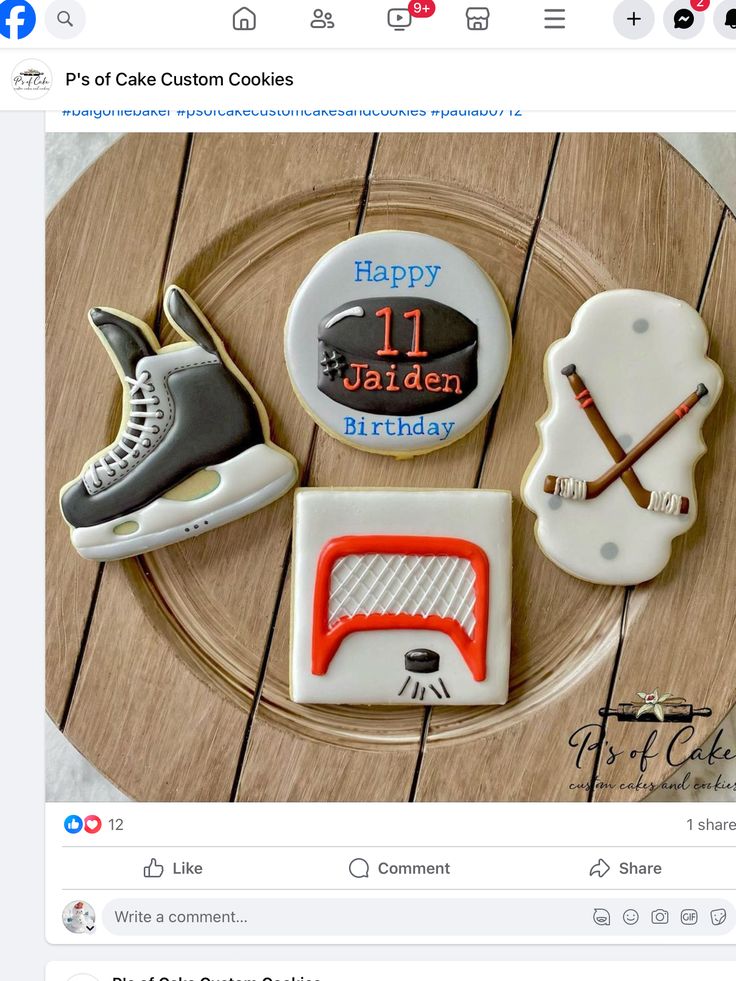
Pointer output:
17, 19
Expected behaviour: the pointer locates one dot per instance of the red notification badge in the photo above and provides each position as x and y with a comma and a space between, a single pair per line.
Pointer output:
700, 5
425, 8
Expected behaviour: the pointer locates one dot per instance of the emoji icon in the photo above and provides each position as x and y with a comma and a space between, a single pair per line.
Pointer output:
631, 917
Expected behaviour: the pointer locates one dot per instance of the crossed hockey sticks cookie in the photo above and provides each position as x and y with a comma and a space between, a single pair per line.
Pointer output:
664, 502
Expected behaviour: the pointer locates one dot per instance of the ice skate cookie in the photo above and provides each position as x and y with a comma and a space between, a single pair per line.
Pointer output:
401, 597
612, 482
192, 451
397, 343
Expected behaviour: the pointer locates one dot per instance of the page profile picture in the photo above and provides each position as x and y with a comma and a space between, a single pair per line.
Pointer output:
31, 79
79, 917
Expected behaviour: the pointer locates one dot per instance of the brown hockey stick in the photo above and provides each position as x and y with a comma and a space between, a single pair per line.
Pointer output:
576, 489
643, 497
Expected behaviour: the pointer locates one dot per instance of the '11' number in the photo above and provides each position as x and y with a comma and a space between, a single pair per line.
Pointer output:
388, 350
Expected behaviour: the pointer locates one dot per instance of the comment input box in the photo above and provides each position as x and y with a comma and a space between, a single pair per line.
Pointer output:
406, 917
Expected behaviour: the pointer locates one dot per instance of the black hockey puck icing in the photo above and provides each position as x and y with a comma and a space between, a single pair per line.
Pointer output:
397, 355
421, 661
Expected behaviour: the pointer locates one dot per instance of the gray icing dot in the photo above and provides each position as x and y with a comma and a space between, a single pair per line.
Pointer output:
555, 502
609, 550
641, 326
625, 440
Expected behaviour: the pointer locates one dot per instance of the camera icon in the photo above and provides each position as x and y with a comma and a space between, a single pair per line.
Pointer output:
660, 917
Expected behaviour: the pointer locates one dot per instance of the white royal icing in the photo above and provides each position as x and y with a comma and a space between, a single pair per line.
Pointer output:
640, 355
369, 666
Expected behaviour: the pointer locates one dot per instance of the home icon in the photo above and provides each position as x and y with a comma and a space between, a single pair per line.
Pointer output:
244, 19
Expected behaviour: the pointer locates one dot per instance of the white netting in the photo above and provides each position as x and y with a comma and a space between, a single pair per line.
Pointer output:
420, 585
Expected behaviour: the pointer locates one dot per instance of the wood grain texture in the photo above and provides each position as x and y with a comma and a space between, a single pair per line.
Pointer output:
105, 243
454, 187
613, 218
208, 601
681, 627
186, 662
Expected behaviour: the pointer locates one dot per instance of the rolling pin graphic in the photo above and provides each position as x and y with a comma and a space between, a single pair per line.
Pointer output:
626, 712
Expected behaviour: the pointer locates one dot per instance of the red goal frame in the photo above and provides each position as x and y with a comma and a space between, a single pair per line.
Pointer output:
326, 640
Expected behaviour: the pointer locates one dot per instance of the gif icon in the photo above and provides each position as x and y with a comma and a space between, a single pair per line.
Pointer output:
689, 917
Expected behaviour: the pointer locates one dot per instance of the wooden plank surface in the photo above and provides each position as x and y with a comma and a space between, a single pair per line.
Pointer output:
183, 687
247, 184
614, 218
463, 189
681, 627
106, 243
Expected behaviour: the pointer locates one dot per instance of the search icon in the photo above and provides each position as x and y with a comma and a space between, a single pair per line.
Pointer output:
359, 868
65, 19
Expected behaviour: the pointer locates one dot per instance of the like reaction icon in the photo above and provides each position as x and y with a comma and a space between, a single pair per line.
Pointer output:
153, 870
73, 824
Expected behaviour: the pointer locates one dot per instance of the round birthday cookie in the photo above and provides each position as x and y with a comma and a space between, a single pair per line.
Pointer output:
397, 343
612, 483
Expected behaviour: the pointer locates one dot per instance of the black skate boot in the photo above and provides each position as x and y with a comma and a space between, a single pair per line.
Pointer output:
192, 451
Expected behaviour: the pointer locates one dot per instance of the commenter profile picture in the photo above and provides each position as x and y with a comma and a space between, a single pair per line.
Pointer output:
79, 917
31, 79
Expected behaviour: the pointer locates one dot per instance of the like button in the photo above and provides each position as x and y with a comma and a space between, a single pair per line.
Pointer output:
153, 870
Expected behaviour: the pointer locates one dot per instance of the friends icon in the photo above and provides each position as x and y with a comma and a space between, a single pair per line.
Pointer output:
322, 19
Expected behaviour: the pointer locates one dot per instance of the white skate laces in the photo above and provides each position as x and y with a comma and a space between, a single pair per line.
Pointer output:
136, 433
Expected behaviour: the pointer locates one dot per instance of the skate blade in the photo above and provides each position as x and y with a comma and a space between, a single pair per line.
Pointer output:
246, 483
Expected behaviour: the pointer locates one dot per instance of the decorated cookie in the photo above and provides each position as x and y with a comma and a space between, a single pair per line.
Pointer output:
192, 451
613, 480
401, 597
397, 343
